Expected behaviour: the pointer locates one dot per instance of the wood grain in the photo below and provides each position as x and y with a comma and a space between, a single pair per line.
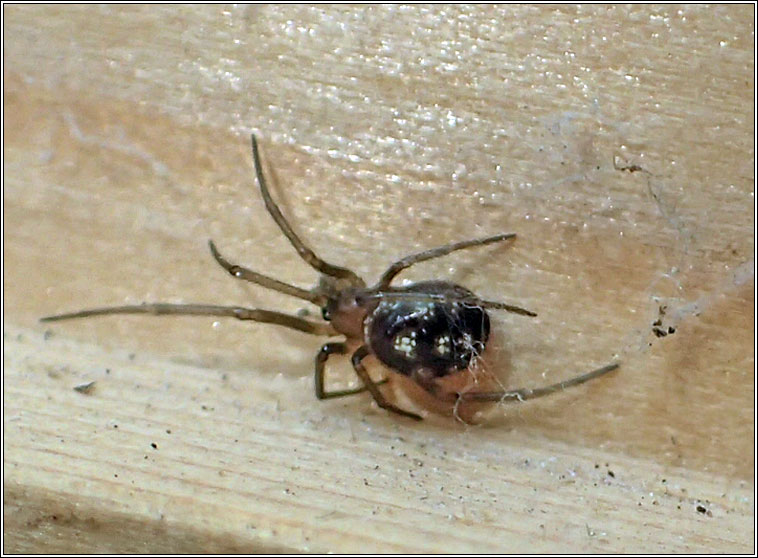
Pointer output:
616, 141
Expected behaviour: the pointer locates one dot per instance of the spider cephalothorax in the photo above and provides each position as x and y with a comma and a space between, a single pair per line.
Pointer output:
428, 332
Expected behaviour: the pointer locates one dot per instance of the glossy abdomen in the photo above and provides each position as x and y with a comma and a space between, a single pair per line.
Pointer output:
427, 338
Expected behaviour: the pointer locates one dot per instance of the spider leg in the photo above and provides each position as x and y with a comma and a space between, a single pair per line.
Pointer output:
408, 261
245, 274
306, 253
446, 298
527, 393
361, 353
163, 309
503, 306
321, 357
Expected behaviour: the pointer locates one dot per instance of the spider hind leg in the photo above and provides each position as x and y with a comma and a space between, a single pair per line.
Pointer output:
373, 388
525, 394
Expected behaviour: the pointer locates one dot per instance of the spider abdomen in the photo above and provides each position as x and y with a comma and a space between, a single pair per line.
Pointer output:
427, 338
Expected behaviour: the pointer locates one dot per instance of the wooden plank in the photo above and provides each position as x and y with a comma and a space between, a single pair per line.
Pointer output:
614, 140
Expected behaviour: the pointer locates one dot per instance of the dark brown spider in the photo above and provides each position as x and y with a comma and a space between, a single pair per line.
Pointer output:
428, 335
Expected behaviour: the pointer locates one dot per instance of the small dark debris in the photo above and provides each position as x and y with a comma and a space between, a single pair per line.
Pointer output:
154, 445
658, 328
659, 332
86, 389
701, 509
628, 168
611, 474
115, 426
631, 168
168, 431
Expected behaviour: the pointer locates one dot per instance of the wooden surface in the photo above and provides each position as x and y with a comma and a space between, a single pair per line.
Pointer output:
616, 141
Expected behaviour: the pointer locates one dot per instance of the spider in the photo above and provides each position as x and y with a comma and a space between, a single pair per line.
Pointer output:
428, 335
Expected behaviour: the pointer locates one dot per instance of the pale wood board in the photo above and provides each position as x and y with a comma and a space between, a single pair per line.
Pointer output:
389, 129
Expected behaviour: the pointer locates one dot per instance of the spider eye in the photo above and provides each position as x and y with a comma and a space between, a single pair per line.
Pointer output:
326, 314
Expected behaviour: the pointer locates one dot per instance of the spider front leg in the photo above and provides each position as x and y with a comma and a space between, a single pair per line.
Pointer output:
239, 272
373, 387
238, 312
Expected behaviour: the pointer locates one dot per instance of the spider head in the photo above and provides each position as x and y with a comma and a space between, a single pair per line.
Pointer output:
345, 306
